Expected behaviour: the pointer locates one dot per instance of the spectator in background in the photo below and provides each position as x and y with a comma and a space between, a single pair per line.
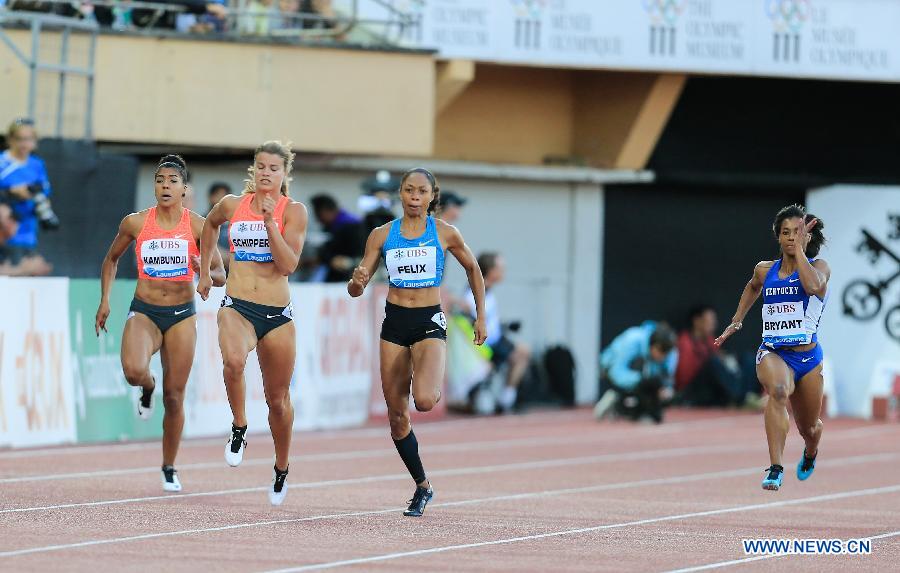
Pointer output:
217, 191
449, 209
33, 265
377, 207
706, 375
638, 369
322, 8
259, 17
505, 352
25, 189
342, 250
288, 19
450, 206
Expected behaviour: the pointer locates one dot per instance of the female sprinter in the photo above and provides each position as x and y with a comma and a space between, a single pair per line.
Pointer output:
789, 362
266, 233
414, 331
161, 317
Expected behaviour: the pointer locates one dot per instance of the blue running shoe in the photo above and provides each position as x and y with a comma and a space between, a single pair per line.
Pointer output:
806, 466
773, 479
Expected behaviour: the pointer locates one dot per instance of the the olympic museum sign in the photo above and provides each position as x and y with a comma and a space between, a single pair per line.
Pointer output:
840, 39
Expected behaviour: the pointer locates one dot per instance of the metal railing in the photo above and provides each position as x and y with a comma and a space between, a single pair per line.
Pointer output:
239, 19
37, 23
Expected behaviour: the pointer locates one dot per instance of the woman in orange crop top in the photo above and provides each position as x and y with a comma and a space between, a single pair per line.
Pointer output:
162, 312
266, 233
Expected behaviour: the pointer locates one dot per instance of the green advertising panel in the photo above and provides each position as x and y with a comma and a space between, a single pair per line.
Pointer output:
106, 406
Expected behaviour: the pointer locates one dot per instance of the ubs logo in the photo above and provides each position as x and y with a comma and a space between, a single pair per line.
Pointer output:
153, 245
788, 17
528, 23
664, 16
242, 227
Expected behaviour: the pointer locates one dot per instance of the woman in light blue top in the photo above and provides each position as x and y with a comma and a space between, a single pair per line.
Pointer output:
413, 335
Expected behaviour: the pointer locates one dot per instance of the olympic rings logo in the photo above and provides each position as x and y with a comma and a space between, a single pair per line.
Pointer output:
529, 8
666, 11
788, 14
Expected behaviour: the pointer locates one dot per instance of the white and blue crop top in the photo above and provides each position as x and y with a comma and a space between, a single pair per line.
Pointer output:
414, 263
790, 316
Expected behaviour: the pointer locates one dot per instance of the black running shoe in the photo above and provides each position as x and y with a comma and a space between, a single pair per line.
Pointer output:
278, 491
419, 500
145, 403
234, 447
170, 480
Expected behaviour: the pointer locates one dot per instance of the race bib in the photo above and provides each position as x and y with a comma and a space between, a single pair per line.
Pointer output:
783, 323
251, 241
412, 266
165, 258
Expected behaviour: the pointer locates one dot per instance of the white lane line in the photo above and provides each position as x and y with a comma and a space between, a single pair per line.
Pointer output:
558, 462
721, 564
384, 452
522, 422
741, 508
517, 496
421, 427
351, 455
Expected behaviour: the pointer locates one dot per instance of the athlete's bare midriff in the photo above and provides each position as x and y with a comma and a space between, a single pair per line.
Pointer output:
414, 297
163, 292
261, 283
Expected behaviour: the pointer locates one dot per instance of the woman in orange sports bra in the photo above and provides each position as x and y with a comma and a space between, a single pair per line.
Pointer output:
162, 312
266, 232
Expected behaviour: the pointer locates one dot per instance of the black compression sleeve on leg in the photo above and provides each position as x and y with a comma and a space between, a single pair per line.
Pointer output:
408, 448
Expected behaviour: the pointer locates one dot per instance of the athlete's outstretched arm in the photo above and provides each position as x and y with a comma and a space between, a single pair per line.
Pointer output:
362, 274
217, 270
286, 247
458, 247
748, 297
813, 276
128, 230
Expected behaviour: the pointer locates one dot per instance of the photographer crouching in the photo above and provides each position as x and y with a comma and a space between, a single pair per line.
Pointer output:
24, 195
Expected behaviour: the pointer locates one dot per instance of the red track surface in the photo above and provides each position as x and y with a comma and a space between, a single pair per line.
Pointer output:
543, 492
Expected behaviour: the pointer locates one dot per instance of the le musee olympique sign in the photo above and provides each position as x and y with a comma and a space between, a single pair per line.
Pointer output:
849, 39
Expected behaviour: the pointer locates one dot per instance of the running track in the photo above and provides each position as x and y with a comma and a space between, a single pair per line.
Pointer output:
553, 491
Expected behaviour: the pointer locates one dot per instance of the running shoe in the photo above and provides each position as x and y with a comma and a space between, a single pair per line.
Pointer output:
170, 480
234, 447
806, 466
279, 488
774, 478
419, 500
145, 402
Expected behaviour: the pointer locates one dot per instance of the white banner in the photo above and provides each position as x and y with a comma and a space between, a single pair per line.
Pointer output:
36, 397
332, 377
849, 39
860, 331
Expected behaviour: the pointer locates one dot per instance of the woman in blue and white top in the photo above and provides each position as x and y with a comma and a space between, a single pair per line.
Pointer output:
413, 335
789, 362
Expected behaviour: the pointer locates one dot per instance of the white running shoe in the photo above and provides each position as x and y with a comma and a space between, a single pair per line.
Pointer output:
234, 447
170, 480
605, 404
278, 490
145, 402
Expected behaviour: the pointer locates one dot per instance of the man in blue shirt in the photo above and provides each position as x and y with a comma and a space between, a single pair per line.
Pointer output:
24, 186
639, 368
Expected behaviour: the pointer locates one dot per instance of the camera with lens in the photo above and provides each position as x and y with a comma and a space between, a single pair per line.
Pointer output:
42, 208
